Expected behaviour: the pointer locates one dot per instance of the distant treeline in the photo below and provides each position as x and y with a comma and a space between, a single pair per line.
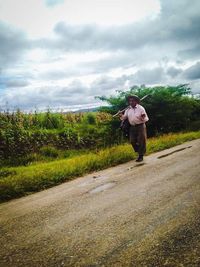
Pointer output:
170, 109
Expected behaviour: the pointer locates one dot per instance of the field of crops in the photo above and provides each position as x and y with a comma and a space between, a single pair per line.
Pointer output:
28, 137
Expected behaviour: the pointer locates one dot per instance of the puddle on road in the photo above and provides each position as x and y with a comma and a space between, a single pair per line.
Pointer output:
139, 164
85, 183
177, 150
94, 179
102, 187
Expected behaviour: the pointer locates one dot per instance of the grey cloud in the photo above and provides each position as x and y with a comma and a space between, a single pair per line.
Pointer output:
59, 74
175, 34
107, 84
52, 96
12, 45
54, 75
113, 61
195, 85
75, 89
104, 65
193, 72
93, 37
191, 53
180, 29
77, 92
16, 83
173, 72
149, 76
124, 60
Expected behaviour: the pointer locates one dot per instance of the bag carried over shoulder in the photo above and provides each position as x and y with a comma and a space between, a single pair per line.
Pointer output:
125, 127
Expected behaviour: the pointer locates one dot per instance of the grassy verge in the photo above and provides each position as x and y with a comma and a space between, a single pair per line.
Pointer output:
19, 181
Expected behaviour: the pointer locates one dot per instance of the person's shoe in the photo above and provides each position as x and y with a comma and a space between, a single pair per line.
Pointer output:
139, 159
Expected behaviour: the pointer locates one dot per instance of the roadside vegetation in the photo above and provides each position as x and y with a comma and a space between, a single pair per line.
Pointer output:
39, 150
20, 181
26, 138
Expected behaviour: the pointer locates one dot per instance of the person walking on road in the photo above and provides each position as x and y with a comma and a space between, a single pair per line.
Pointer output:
137, 118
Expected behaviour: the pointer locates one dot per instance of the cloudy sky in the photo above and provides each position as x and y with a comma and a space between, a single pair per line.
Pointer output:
63, 53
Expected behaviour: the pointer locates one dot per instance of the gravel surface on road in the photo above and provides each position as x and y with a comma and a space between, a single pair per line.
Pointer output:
134, 214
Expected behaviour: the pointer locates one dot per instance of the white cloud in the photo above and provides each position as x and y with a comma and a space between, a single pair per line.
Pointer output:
34, 16
52, 51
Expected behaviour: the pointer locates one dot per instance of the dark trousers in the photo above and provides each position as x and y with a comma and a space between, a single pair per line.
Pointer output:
138, 137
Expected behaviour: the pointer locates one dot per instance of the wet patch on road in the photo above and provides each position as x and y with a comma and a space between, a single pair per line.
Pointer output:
102, 187
137, 165
95, 176
175, 151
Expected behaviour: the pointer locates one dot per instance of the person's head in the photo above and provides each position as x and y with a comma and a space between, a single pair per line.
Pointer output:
133, 100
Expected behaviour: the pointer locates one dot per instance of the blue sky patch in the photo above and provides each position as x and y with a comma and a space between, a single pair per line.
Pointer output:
52, 3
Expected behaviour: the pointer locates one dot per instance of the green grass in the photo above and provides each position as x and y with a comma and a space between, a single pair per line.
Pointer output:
20, 181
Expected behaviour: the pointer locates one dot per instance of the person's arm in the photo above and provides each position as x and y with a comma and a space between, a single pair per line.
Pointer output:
143, 114
123, 116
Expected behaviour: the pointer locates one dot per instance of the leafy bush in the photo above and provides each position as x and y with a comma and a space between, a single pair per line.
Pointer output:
90, 118
6, 172
49, 151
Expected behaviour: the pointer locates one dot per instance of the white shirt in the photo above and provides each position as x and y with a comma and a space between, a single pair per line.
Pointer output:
134, 115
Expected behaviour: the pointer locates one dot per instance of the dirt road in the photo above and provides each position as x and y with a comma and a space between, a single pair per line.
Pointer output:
130, 215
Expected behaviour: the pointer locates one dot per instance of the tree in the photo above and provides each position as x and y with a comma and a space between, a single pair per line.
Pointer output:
170, 108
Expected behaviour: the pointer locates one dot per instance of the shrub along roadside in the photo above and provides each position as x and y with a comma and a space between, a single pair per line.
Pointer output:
19, 181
